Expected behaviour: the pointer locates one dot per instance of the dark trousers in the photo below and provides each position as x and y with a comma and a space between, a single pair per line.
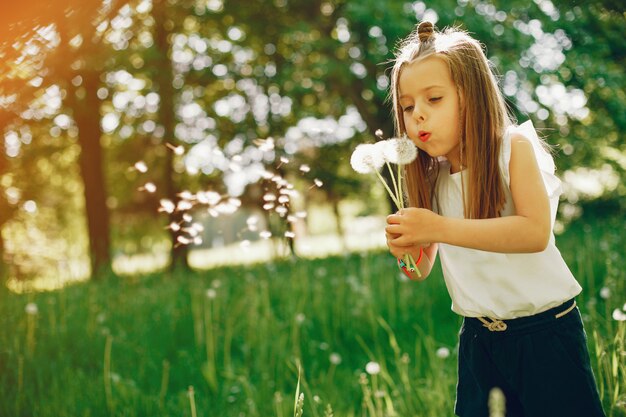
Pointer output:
541, 364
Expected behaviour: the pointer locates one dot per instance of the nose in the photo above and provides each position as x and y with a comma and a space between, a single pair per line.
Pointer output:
418, 114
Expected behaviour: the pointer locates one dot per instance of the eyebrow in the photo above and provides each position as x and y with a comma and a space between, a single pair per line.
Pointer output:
430, 87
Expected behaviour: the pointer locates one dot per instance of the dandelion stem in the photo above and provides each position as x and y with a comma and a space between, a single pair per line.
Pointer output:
396, 185
393, 197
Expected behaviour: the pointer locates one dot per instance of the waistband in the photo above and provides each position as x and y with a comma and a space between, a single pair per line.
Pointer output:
545, 317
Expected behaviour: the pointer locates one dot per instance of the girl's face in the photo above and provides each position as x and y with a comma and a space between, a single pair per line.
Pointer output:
429, 103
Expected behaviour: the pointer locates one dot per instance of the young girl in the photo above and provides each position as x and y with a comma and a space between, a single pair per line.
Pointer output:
483, 195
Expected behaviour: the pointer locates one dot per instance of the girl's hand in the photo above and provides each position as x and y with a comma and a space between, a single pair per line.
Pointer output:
411, 227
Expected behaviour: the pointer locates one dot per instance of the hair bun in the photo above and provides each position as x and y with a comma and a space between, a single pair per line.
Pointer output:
425, 31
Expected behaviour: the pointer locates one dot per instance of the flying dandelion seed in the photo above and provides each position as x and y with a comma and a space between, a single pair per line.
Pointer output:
211, 293
281, 210
141, 167
305, 168
208, 197
183, 240
212, 212
277, 178
197, 240
174, 226
178, 150
149, 187
283, 199
245, 244
235, 202
605, 293
290, 235
265, 234
301, 214
269, 197
167, 206
266, 175
198, 227
187, 217
284, 160
318, 182
268, 206
292, 219
183, 205
264, 145
335, 358
186, 195
379, 133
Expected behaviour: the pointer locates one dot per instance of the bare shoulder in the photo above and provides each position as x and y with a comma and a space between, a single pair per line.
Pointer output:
522, 152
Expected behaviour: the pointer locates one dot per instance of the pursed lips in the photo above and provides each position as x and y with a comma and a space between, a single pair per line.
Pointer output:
423, 136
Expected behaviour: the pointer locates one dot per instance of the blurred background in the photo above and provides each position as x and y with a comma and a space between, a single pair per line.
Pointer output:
145, 135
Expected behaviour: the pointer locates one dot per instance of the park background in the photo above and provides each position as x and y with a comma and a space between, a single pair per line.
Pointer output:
181, 232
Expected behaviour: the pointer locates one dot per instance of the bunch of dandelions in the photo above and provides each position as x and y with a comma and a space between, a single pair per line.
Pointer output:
367, 158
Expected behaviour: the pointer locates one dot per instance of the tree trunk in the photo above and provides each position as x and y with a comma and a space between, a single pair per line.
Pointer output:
87, 117
340, 232
164, 79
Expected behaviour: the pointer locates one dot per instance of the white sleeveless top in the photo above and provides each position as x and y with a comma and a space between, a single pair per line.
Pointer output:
504, 285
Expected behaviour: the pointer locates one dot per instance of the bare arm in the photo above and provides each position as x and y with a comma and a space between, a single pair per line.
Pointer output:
527, 231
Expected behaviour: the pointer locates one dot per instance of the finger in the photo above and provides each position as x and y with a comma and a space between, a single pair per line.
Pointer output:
393, 229
393, 219
401, 241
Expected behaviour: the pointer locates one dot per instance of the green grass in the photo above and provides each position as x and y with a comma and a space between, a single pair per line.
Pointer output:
231, 341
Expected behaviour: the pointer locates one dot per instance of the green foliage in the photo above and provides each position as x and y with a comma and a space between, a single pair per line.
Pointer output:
135, 346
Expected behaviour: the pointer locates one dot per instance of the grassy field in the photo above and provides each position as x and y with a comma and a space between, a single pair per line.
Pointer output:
231, 341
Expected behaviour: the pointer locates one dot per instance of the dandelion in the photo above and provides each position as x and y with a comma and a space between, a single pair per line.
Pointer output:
300, 317
605, 293
335, 358
443, 352
265, 234
318, 182
178, 150
372, 368
305, 168
31, 309
211, 293
619, 315
368, 158
149, 187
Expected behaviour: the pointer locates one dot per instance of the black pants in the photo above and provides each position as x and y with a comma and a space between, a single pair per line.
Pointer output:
540, 363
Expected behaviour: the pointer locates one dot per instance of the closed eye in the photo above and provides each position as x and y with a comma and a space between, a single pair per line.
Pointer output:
408, 109
435, 99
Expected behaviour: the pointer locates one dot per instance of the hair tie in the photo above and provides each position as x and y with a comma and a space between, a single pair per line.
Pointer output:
425, 31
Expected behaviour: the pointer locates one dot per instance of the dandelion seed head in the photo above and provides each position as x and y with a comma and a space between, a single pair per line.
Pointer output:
398, 150
372, 368
31, 309
443, 352
305, 168
366, 158
605, 293
335, 358
619, 315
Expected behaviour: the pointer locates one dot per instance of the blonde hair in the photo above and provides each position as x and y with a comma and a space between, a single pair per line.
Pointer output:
483, 120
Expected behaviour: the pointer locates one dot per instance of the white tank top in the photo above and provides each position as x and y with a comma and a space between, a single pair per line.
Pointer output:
504, 285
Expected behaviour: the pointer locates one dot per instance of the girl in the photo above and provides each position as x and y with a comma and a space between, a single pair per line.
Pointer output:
483, 195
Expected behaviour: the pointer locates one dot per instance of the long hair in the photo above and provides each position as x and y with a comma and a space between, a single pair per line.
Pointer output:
484, 119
